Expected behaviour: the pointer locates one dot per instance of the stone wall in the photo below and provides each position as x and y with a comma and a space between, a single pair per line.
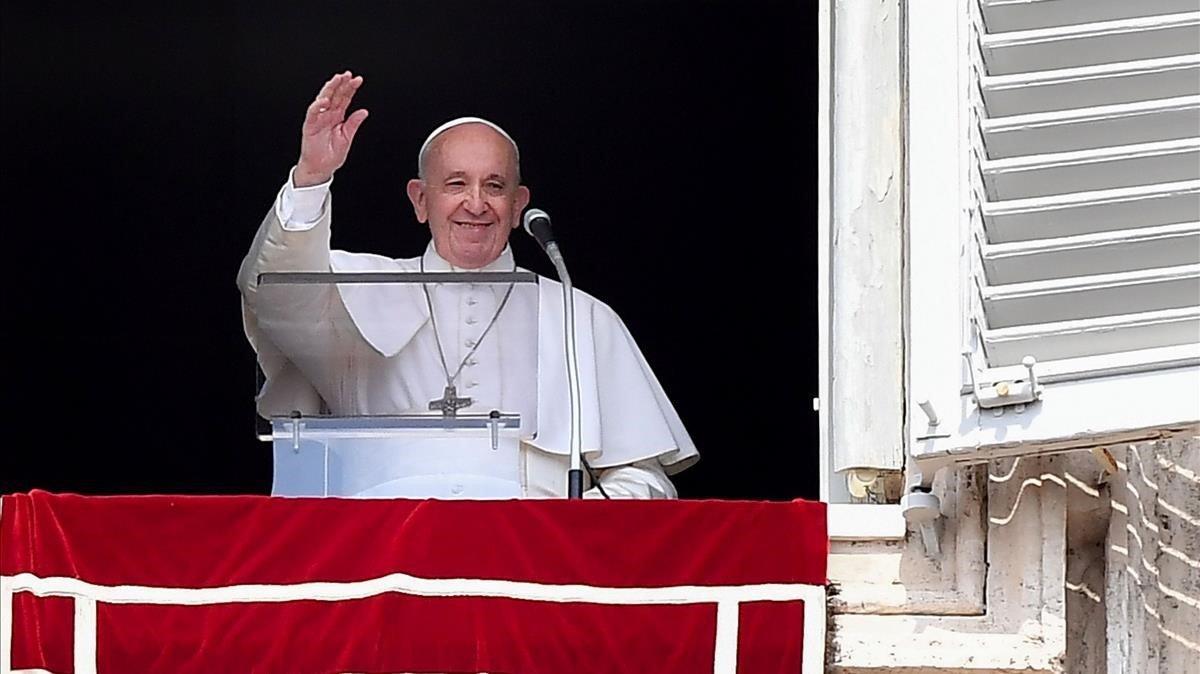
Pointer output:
1152, 580
1093, 566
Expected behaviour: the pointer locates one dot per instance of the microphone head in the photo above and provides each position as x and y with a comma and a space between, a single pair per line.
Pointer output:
531, 215
537, 225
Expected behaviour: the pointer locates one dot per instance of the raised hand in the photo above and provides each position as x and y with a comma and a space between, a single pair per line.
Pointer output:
327, 133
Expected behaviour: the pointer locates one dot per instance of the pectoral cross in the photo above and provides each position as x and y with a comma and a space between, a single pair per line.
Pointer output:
449, 403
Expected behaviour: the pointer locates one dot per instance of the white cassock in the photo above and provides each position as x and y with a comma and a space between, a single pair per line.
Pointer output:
371, 349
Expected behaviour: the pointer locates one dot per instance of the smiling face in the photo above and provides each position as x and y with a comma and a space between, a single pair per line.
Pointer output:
469, 194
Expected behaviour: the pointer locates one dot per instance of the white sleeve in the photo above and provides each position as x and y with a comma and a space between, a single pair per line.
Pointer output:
294, 327
642, 479
299, 209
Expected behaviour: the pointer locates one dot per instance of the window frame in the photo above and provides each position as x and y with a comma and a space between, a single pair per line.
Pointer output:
847, 521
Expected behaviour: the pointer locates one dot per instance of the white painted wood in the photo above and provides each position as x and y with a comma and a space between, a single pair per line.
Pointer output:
1008, 15
1075, 415
1060, 283
1081, 250
1092, 336
1091, 170
1087, 86
1064, 215
1086, 44
865, 403
1092, 296
938, 200
1066, 288
1090, 128
1087, 254
833, 485
1103, 365
865, 522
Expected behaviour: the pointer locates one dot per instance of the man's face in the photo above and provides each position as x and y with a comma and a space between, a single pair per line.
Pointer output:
470, 195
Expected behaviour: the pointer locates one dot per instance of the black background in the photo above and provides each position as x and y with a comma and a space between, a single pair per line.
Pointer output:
673, 142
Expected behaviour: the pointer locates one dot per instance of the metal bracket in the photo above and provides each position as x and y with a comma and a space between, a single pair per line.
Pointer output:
494, 427
931, 429
920, 506
296, 424
922, 509
1016, 393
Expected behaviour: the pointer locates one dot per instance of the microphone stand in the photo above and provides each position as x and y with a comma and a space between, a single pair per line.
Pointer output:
575, 474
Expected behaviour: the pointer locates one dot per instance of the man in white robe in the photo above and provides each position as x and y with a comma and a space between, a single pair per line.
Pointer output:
371, 349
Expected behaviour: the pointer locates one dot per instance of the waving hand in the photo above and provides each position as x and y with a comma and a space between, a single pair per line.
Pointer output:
328, 132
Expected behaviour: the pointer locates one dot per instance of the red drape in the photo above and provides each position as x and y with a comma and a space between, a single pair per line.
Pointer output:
211, 542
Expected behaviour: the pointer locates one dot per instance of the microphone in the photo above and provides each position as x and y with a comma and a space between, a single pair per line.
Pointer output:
537, 225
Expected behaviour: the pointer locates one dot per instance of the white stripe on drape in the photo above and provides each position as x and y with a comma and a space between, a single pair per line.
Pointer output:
728, 600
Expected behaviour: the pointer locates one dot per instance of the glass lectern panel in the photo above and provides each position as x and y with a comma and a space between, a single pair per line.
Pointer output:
390, 457
390, 384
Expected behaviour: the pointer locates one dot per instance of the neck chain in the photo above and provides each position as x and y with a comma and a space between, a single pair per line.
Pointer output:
450, 403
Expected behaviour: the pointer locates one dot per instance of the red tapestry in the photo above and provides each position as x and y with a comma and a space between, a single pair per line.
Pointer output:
255, 584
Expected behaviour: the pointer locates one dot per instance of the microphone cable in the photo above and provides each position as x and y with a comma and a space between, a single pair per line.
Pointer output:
595, 480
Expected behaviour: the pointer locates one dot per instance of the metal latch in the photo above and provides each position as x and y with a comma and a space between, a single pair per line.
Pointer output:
1015, 393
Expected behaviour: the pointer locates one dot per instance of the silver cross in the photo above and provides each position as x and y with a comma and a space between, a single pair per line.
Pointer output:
449, 403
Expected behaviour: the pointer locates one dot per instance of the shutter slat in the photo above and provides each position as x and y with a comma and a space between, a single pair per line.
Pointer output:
1104, 365
1092, 336
1094, 296
1090, 128
1095, 169
1062, 215
1088, 86
1012, 15
1089, 254
1139, 38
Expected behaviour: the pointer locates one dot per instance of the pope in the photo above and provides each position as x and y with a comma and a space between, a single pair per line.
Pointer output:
361, 349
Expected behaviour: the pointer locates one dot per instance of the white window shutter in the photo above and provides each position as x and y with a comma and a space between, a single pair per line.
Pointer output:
1080, 223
